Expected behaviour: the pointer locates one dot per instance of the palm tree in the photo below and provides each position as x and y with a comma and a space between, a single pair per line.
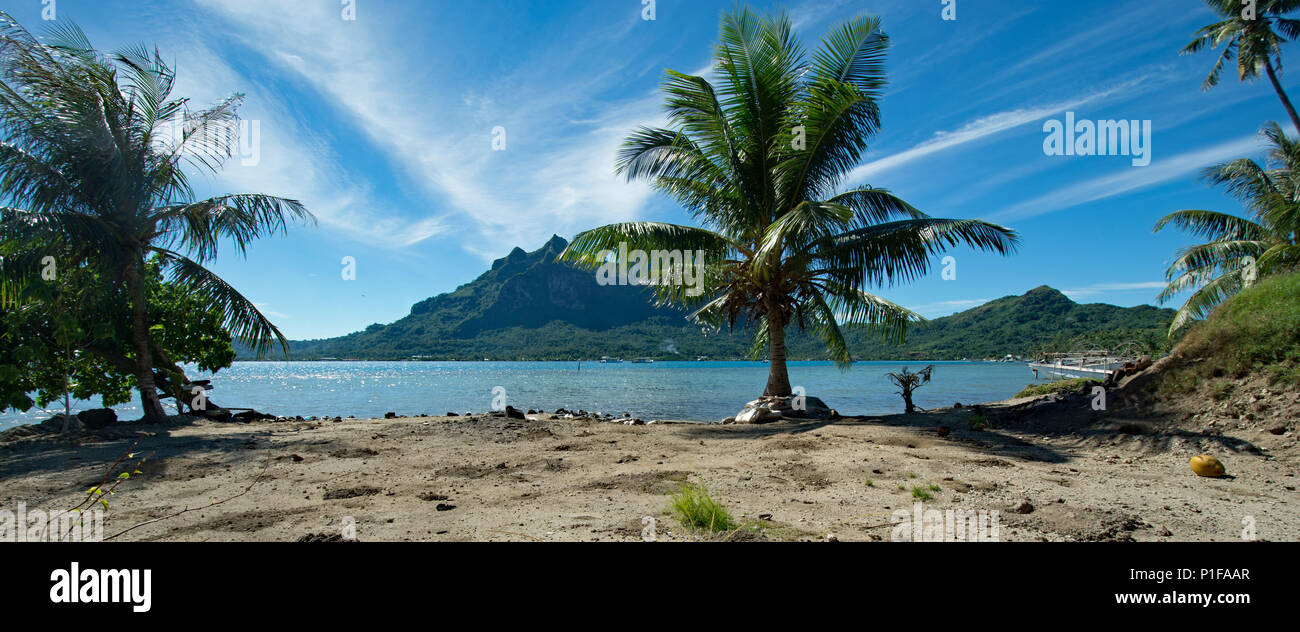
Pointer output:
1240, 249
907, 383
757, 159
1253, 38
94, 155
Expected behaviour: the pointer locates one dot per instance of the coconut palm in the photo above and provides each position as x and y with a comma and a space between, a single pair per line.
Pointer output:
1240, 249
757, 156
1252, 34
907, 383
94, 154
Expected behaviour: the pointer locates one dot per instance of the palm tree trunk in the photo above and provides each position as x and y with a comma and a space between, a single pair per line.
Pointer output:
1281, 94
778, 377
153, 410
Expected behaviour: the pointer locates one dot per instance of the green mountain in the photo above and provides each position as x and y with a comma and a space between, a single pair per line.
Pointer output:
528, 307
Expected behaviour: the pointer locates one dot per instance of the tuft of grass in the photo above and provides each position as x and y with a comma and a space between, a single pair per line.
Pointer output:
978, 422
934, 487
695, 509
920, 493
902, 487
871, 483
1059, 386
911, 474
1221, 390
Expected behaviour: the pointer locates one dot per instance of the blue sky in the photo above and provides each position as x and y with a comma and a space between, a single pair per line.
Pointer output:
383, 126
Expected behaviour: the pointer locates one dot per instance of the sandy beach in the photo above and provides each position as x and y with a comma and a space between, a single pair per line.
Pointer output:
1054, 470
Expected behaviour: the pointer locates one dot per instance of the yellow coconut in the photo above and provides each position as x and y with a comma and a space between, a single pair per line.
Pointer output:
1206, 465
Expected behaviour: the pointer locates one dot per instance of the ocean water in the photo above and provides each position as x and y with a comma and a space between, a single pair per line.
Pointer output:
705, 391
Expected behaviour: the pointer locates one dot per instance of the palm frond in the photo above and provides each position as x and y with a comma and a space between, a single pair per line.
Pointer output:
239, 315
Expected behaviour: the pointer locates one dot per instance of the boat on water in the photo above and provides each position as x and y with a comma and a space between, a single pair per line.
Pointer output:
1099, 364
643, 361
609, 360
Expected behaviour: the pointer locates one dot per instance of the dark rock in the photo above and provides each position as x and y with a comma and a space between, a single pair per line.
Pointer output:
514, 413
97, 418
451, 414
252, 415
55, 424
1024, 507
444, 507
390, 415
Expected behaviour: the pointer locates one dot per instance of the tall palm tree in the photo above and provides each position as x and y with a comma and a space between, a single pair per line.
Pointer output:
1253, 38
1240, 249
757, 159
94, 154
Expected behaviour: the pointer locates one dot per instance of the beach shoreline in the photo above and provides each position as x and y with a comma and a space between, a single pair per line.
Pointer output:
1048, 466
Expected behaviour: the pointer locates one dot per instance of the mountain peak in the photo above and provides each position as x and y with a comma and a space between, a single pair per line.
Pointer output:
1046, 291
556, 244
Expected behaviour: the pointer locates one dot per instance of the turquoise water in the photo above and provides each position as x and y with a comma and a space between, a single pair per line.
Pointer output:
661, 390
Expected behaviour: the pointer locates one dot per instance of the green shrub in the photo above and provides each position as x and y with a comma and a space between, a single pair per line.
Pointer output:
1059, 386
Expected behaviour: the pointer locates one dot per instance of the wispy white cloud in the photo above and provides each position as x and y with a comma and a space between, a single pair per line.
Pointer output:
295, 161
266, 310
982, 128
550, 178
1096, 289
947, 308
1130, 179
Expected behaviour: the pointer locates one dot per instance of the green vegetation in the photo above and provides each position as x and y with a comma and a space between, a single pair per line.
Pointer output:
871, 483
1256, 332
1240, 250
757, 159
94, 168
1248, 33
921, 493
82, 348
978, 422
1059, 386
696, 510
